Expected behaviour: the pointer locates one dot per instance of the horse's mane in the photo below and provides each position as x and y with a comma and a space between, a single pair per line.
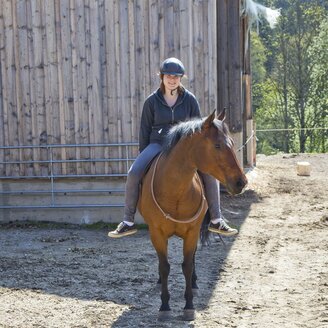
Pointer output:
188, 128
180, 131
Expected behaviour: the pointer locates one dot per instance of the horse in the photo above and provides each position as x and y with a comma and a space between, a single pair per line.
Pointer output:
172, 200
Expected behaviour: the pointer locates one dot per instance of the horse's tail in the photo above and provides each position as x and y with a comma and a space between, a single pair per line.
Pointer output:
204, 232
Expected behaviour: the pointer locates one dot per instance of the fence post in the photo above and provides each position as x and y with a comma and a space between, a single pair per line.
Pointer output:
51, 176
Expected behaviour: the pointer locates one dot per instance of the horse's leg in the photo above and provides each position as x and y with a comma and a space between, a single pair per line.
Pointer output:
164, 268
160, 244
189, 249
194, 275
159, 282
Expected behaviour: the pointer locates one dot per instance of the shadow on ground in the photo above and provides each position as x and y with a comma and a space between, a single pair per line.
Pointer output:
84, 264
210, 263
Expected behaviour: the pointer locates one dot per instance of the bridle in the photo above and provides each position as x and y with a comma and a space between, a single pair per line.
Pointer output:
167, 215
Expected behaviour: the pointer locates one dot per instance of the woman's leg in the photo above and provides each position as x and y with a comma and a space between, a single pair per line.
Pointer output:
135, 174
212, 194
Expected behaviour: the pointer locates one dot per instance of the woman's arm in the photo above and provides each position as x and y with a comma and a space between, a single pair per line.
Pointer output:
146, 124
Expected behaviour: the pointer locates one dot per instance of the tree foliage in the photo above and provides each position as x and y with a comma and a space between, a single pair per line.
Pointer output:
290, 82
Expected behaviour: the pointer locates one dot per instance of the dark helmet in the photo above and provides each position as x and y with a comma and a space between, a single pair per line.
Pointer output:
172, 66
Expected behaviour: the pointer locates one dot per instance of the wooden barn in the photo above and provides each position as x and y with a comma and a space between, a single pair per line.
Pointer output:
73, 79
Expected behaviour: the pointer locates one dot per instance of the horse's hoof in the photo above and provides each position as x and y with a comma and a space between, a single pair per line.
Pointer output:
188, 315
164, 315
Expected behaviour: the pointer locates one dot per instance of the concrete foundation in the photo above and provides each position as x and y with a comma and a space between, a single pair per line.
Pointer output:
77, 201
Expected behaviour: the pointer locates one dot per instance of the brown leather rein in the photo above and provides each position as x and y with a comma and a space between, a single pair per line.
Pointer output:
167, 215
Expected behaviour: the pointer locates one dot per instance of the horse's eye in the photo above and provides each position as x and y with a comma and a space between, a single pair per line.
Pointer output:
217, 146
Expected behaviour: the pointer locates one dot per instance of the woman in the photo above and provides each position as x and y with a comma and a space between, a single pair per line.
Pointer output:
170, 104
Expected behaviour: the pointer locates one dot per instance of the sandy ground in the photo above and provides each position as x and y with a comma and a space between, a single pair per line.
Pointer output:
274, 274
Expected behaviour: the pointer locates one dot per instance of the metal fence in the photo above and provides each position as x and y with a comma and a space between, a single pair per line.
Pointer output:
53, 179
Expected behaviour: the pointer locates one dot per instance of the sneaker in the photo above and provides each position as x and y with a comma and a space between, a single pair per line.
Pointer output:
122, 230
222, 228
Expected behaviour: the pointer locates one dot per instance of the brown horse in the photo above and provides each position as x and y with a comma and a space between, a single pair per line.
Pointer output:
172, 198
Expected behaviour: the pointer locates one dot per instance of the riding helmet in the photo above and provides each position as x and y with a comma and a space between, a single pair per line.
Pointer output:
172, 66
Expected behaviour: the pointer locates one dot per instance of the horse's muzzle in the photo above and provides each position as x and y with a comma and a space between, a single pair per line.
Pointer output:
235, 187
241, 183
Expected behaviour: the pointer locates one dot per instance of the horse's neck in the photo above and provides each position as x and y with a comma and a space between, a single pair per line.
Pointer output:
175, 188
177, 171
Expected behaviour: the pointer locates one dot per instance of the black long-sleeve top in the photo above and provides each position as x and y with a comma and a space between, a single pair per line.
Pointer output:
157, 116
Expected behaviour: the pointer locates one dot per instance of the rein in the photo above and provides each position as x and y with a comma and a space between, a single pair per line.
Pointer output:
167, 215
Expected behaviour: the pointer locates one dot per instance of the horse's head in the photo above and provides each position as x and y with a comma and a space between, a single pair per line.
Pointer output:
215, 154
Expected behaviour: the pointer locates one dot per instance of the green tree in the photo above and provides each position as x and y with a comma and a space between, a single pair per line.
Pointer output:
291, 82
258, 60
318, 52
304, 22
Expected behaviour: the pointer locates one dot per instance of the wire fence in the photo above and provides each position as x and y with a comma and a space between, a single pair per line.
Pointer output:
291, 129
53, 186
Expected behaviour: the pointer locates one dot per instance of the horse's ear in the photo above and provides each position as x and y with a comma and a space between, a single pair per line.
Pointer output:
222, 114
209, 120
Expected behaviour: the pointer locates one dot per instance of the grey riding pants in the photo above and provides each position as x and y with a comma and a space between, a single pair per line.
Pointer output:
137, 171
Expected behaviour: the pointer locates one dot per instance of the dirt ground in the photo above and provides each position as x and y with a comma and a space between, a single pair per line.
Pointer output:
273, 274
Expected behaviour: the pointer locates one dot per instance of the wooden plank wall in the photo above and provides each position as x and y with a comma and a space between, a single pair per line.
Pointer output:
78, 71
230, 58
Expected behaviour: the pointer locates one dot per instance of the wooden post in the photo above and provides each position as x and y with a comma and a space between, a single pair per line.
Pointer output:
112, 72
234, 61
36, 61
2, 91
249, 136
229, 68
222, 55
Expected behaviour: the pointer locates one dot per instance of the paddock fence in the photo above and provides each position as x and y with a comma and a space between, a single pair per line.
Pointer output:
55, 186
